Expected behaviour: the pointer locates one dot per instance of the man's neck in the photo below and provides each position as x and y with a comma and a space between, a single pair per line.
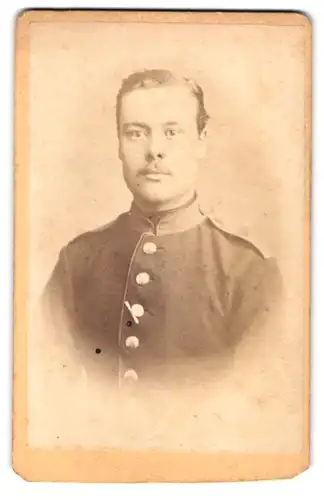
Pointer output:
179, 218
158, 210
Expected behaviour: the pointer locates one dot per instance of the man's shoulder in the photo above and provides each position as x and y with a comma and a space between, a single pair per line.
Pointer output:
240, 258
95, 238
233, 241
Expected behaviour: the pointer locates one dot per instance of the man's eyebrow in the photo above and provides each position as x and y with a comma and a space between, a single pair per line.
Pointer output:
171, 123
135, 124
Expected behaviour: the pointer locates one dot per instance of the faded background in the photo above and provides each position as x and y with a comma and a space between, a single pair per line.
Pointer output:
253, 180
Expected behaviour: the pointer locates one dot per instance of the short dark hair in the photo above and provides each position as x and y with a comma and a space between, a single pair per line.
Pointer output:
155, 77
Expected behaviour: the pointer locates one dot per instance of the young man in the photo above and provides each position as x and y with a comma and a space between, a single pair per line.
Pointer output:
161, 286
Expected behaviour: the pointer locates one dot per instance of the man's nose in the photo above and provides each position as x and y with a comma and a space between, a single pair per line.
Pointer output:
156, 147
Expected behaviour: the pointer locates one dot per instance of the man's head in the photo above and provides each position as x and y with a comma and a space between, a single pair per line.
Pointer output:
161, 124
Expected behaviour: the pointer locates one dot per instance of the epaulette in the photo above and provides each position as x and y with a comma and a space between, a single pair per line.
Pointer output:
240, 232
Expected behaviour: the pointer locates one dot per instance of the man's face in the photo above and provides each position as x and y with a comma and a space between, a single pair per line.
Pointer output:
159, 144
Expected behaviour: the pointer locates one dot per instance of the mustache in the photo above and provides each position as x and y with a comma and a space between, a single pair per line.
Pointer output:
154, 168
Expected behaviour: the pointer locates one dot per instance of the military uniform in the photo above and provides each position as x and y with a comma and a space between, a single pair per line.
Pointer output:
148, 294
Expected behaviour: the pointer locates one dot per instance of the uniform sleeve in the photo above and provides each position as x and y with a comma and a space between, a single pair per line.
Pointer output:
55, 373
256, 299
56, 304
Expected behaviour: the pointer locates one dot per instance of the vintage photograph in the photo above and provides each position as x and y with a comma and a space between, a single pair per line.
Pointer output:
166, 188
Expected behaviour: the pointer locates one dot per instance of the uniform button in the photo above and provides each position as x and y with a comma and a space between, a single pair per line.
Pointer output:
132, 342
149, 247
137, 310
130, 375
142, 278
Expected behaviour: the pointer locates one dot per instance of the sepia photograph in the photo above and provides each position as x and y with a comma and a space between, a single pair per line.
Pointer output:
162, 245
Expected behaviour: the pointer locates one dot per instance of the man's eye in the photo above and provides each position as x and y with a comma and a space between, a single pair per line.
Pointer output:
135, 134
170, 132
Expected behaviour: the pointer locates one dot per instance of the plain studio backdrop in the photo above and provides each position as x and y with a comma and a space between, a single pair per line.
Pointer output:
253, 178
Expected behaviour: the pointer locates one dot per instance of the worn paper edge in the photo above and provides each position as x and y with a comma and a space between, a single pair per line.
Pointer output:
131, 466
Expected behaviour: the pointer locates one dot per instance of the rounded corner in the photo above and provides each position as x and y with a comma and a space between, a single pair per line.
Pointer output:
19, 471
305, 18
22, 15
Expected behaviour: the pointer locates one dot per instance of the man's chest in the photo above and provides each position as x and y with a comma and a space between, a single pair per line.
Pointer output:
160, 297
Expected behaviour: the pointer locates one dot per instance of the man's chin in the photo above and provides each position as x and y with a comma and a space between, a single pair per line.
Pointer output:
152, 198
153, 194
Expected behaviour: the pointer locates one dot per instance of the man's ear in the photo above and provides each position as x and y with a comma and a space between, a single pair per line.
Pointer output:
203, 134
202, 143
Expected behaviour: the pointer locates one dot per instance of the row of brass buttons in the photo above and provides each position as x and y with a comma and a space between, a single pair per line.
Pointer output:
137, 310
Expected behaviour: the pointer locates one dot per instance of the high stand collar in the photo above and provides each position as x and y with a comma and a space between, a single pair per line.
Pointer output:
171, 221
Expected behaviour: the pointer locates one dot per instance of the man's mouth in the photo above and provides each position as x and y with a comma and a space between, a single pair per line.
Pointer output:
153, 175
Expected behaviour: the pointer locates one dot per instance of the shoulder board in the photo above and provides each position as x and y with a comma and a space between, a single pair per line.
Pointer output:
241, 233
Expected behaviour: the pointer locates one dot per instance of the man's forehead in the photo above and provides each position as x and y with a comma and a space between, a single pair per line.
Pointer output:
162, 99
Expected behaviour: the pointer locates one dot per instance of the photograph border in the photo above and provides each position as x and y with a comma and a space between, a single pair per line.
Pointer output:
81, 465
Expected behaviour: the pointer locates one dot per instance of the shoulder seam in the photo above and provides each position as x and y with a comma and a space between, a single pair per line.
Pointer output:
214, 222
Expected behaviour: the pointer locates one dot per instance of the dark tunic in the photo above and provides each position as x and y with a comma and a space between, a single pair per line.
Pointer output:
140, 296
